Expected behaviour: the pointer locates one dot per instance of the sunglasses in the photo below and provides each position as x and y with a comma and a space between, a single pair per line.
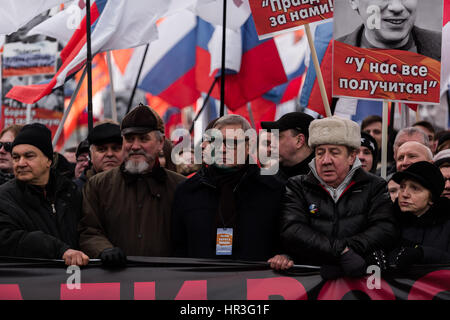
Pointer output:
6, 145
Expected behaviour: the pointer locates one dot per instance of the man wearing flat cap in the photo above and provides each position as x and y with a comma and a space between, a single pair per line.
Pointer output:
294, 151
39, 209
127, 209
105, 141
337, 216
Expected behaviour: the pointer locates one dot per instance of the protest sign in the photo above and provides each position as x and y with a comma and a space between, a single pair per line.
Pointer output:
391, 53
276, 16
26, 59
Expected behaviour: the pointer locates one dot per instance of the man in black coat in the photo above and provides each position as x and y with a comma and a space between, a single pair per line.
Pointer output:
228, 210
294, 152
338, 214
39, 209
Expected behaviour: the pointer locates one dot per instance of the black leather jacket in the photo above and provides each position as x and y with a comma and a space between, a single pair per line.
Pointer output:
315, 229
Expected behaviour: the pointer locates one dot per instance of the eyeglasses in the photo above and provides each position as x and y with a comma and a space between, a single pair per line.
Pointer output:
83, 159
6, 145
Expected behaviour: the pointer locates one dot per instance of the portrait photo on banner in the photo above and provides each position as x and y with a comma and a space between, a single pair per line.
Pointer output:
388, 49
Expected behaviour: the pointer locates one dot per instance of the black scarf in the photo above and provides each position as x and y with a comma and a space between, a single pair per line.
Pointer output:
226, 181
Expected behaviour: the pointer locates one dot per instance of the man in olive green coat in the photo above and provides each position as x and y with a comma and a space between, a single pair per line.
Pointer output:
127, 210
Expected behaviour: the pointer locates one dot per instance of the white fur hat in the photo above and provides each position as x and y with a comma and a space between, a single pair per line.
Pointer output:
334, 130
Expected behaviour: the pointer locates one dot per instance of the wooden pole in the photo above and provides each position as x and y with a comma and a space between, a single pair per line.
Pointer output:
320, 81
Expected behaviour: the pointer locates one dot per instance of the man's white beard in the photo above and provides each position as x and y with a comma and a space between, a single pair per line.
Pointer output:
136, 167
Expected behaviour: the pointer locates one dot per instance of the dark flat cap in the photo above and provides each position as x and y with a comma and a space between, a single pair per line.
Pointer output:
292, 120
105, 133
142, 119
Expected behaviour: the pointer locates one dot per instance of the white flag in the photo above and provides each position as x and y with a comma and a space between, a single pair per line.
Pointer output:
17, 13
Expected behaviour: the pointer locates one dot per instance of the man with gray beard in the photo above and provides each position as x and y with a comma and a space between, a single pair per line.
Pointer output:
127, 210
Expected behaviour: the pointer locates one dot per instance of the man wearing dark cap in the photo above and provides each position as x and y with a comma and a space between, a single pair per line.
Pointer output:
105, 142
83, 160
127, 210
294, 152
39, 209
368, 152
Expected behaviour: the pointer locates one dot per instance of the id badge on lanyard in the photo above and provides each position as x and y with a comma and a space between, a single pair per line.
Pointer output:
224, 241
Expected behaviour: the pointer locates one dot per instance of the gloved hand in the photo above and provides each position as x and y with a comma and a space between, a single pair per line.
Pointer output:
352, 264
113, 257
331, 272
377, 258
404, 257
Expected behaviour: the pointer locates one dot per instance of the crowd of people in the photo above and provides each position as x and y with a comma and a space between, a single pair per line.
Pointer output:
326, 205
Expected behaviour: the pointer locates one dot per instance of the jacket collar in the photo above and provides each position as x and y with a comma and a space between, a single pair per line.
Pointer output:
158, 173
299, 168
206, 178
355, 175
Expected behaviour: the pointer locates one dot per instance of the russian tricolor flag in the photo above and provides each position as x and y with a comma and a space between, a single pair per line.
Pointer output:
169, 68
181, 63
260, 70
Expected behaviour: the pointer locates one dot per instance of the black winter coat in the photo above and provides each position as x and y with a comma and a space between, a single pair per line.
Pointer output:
196, 202
315, 230
35, 226
431, 231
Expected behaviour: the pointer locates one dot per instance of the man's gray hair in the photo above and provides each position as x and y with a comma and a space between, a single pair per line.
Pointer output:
232, 119
159, 135
410, 131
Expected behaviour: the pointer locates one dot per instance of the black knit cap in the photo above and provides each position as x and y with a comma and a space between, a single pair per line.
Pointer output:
425, 173
292, 120
83, 147
105, 133
370, 143
37, 135
141, 119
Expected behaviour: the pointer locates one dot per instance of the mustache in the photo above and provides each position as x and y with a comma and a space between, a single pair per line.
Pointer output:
135, 153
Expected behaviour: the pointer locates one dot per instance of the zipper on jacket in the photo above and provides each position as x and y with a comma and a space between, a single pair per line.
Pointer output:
53, 208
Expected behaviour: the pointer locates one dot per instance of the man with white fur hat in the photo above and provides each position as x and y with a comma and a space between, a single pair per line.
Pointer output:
338, 216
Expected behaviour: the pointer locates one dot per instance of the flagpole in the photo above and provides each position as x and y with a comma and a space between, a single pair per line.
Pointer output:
67, 111
222, 75
89, 64
204, 104
111, 84
250, 114
384, 139
320, 81
130, 102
